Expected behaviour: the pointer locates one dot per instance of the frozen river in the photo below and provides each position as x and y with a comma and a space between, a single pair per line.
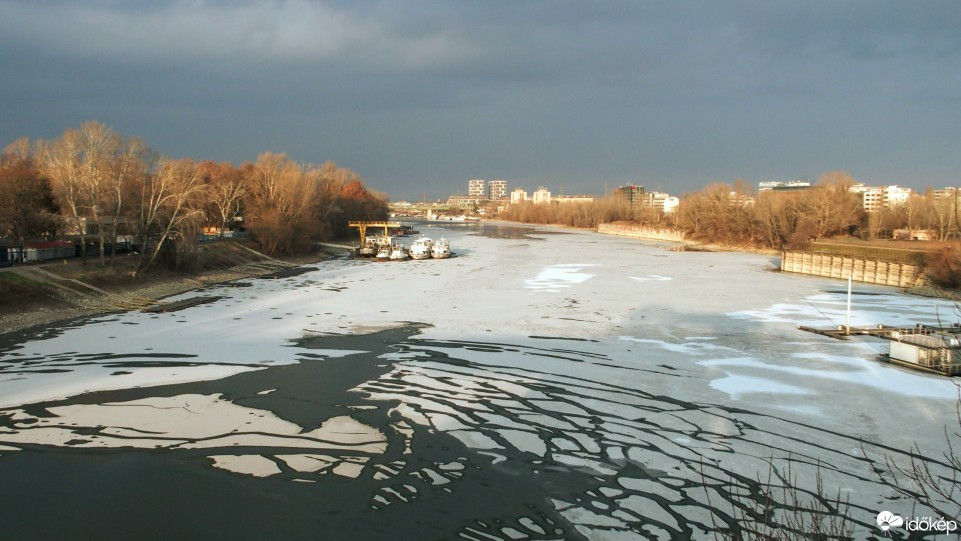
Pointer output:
542, 384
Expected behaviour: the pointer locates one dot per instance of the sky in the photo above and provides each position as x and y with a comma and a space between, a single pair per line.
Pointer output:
419, 97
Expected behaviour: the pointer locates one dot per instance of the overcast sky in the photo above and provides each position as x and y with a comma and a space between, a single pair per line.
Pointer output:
420, 96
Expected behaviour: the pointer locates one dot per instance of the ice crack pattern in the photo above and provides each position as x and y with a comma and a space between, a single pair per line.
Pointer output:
649, 465
538, 438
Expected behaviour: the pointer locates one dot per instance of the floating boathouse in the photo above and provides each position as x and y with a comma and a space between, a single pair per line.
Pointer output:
934, 349
938, 351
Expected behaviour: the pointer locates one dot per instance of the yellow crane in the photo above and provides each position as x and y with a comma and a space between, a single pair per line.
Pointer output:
362, 229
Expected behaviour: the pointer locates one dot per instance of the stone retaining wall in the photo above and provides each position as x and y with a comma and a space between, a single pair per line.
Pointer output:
860, 270
641, 232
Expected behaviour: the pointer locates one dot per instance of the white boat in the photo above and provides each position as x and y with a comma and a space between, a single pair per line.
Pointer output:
369, 249
421, 248
383, 253
440, 250
399, 253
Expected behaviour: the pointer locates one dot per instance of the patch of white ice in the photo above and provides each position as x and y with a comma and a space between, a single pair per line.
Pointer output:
525, 441
555, 277
737, 385
872, 373
191, 422
255, 465
651, 278
691, 348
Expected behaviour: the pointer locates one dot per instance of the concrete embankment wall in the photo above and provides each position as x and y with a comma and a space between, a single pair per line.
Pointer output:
641, 232
860, 270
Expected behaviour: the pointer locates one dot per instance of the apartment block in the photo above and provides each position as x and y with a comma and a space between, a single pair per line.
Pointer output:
875, 198
518, 195
497, 189
634, 195
542, 195
475, 188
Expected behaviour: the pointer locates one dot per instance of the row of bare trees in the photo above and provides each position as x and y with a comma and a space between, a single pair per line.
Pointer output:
734, 214
289, 206
92, 182
579, 214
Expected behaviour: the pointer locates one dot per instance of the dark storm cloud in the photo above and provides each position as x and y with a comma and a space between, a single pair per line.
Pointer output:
421, 96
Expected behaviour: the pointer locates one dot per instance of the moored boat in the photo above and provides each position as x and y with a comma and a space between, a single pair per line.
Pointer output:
399, 253
440, 250
369, 249
421, 248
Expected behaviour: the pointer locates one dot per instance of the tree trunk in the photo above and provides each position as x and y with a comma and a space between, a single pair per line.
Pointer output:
113, 240
83, 240
103, 253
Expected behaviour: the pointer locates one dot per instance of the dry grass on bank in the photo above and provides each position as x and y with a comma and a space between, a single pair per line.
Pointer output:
18, 292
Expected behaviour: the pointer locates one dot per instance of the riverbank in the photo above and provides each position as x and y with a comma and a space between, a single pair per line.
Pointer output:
94, 290
694, 246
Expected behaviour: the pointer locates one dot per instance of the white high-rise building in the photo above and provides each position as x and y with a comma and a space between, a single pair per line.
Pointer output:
475, 188
875, 198
497, 189
783, 185
542, 195
518, 195
895, 196
663, 202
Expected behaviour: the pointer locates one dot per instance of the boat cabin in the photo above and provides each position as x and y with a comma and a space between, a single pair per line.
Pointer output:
940, 352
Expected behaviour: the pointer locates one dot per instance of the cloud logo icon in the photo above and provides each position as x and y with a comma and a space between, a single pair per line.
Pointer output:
888, 520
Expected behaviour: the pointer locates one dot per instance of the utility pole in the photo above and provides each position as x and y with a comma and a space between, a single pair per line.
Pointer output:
847, 328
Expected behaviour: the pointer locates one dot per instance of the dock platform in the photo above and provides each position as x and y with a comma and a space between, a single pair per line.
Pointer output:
923, 347
841, 332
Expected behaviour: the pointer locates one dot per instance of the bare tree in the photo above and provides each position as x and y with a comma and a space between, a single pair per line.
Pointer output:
281, 203
941, 213
26, 203
60, 162
95, 141
171, 202
226, 192
129, 166
775, 217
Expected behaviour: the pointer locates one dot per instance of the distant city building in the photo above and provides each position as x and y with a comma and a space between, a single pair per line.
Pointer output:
518, 195
634, 195
895, 196
662, 202
574, 198
671, 203
783, 185
497, 189
946, 192
875, 198
872, 197
475, 188
541, 195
